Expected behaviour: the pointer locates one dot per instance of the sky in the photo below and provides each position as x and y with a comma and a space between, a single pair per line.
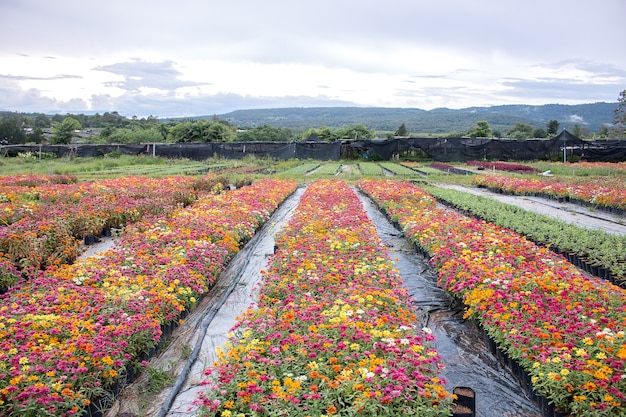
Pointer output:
206, 57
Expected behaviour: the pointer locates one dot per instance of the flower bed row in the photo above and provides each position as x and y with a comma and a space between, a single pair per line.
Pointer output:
503, 166
600, 253
34, 180
42, 224
333, 332
69, 335
604, 193
564, 329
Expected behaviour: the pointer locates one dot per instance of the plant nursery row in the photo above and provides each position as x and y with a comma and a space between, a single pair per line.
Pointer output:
333, 332
70, 334
601, 253
44, 219
607, 193
565, 330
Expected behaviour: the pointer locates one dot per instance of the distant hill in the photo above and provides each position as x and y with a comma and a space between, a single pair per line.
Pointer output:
436, 121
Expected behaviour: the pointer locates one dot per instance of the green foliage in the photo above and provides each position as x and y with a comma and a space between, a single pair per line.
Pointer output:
42, 121
539, 133
440, 122
402, 131
157, 379
324, 133
264, 133
11, 131
398, 169
482, 130
603, 133
520, 131
302, 168
619, 116
64, 131
354, 132
598, 246
552, 128
36, 136
133, 135
370, 169
202, 131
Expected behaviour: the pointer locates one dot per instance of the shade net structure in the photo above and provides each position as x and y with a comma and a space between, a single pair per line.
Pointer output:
194, 151
468, 149
438, 149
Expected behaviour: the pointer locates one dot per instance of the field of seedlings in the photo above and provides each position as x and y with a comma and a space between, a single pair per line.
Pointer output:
392, 288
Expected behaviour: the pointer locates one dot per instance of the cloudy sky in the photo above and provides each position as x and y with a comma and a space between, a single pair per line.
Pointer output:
204, 57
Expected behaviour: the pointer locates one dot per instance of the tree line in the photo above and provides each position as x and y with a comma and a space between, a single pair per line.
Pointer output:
111, 127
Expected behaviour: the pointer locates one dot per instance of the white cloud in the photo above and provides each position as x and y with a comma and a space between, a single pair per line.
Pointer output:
159, 56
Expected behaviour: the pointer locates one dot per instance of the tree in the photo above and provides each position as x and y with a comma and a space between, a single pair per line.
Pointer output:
552, 128
619, 116
11, 131
539, 133
520, 131
164, 131
402, 131
201, 131
64, 131
135, 135
325, 134
265, 133
218, 132
36, 136
482, 130
42, 121
354, 132
186, 131
581, 131
603, 133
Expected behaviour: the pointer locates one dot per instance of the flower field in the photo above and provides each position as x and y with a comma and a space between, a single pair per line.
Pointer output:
503, 166
44, 217
599, 252
70, 332
607, 192
564, 329
333, 332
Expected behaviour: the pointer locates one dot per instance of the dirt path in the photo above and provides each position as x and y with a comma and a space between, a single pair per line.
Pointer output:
566, 212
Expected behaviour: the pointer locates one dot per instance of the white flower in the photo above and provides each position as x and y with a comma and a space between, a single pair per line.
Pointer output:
427, 330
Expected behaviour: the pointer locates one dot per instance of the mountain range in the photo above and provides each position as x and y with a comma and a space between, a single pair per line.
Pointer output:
417, 121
